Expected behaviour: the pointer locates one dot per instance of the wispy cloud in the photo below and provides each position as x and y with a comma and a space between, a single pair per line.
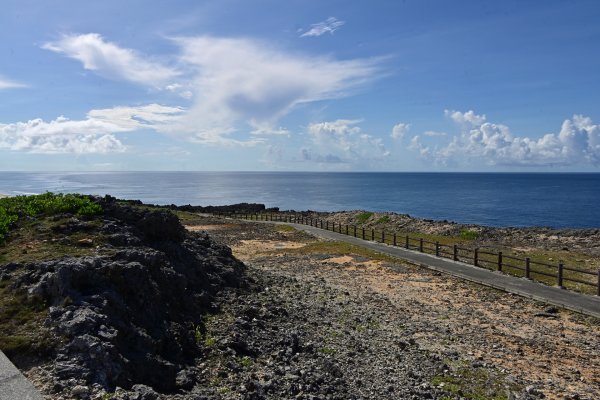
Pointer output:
239, 88
112, 61
245, 83
330, 25
8, 84
434, 134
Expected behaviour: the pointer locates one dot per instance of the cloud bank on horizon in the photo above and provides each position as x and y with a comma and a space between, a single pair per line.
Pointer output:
213, 93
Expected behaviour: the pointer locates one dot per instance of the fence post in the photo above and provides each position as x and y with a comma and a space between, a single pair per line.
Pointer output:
363, 233
499, 261
476, 257
437, 248
455, 253
560, 275
340, 227
382, 236
527, 267
354, 230
394, 239
321, 224
421, 245
327, 225
333, 226
406, 243
598, 292
373, 234
346, 230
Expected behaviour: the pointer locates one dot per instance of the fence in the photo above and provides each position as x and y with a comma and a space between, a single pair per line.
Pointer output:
527, 267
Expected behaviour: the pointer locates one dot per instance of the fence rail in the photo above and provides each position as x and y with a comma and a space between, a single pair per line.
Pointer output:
481, 258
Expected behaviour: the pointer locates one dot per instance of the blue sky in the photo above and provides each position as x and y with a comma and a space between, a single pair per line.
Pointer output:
300, 85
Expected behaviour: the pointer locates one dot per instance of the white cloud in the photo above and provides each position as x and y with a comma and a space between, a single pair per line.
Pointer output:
238, 88
60, 136
8, 84
468, 118
111, 61
399, 130
434, 134
577, 143
243, 83
416, 145
95, 134
151, 116
341, 141
330, 25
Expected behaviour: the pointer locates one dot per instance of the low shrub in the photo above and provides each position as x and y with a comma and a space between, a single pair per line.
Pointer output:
47, 204
362, 218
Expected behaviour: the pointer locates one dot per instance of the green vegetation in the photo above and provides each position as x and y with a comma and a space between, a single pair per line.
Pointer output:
383, 220
245, 361
20, 319
13, 209
362, 218
468, 234
328, 350
475, 383
285, 228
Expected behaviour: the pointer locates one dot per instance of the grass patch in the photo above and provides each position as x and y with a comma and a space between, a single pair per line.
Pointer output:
475, 383
41, 239
285, 228
468, 234
383, 220
362, 218
20, 322
12, 209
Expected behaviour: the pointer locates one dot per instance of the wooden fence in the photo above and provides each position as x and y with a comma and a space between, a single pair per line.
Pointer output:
527, 267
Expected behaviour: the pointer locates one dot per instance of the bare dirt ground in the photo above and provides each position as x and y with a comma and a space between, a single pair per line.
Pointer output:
490, 344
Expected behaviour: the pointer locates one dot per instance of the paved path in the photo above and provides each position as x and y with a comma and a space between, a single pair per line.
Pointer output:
13, 385
585, 304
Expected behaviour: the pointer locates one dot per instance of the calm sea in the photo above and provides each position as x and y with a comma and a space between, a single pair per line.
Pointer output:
555, 200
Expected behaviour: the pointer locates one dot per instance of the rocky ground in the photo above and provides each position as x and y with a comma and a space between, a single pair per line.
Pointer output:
149, 311
326, 321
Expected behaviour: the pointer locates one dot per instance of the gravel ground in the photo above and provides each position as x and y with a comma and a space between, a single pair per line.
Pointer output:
324, 324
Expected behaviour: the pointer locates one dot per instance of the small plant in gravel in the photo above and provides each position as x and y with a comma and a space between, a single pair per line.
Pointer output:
245, 361
362, 218
198, 334
328, 350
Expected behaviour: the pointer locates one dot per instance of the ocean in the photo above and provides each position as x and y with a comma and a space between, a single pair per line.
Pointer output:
492, 199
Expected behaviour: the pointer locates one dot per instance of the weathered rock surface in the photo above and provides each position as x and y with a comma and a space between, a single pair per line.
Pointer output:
128, 315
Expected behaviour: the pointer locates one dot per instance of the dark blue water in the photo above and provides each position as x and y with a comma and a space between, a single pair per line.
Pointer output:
556, 200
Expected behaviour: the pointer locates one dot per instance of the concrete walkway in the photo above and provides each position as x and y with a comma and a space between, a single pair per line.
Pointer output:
13, 385
582, 303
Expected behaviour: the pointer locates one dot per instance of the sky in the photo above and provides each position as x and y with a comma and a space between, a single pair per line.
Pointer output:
300, 85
